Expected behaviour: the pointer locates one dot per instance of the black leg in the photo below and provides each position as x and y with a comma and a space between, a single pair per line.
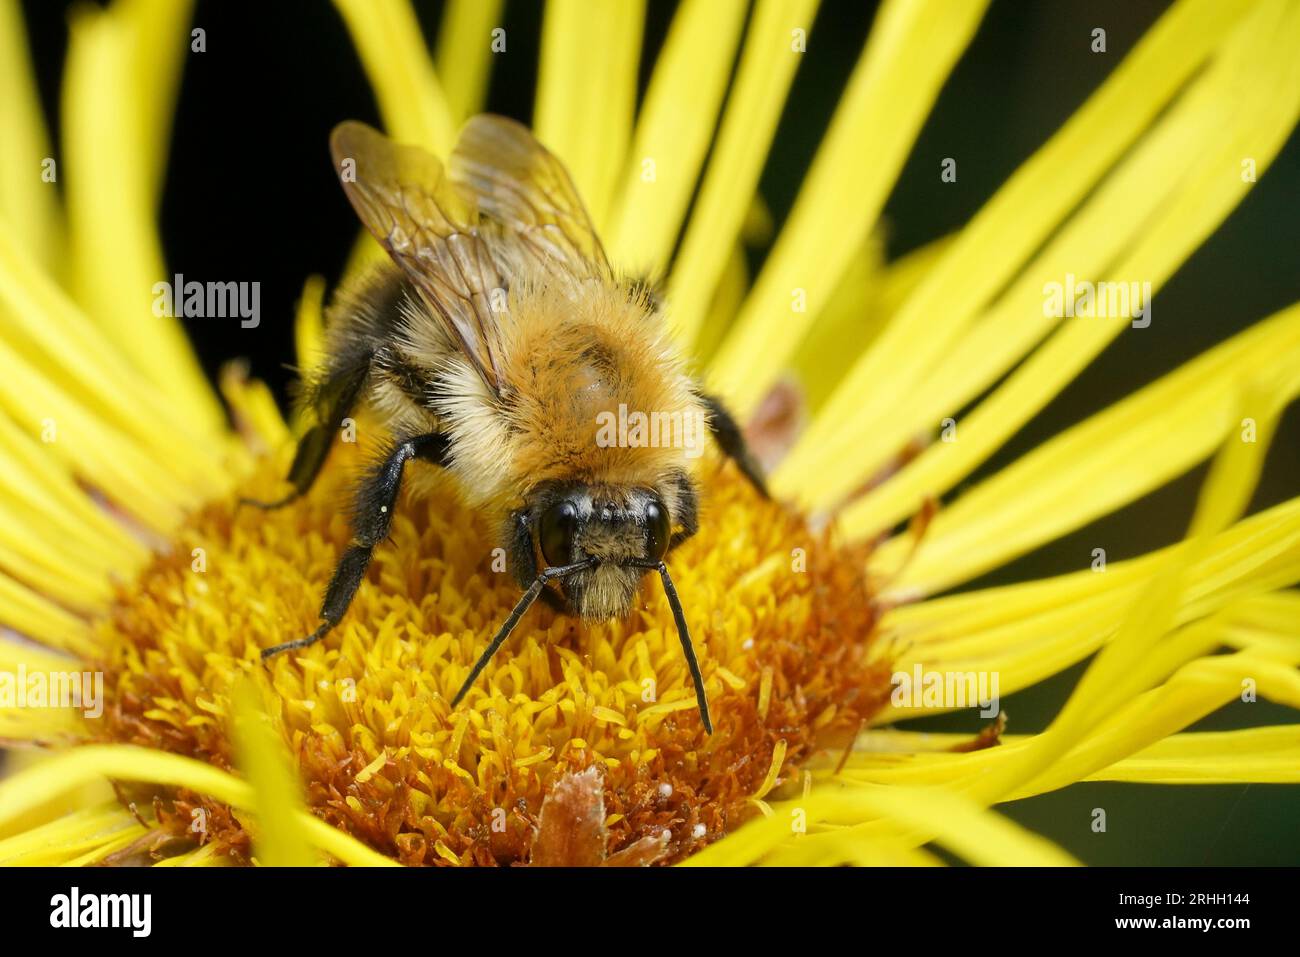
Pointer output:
519, 536
732, 441
372, 517
525, 602
333, 398
688, 510
684, 634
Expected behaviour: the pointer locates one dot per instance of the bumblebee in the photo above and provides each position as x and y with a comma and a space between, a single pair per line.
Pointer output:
491, 346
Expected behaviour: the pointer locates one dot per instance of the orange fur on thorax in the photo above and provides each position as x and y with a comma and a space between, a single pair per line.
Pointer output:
569, 352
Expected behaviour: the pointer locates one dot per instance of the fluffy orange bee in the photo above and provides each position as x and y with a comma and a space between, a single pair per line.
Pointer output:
499, 345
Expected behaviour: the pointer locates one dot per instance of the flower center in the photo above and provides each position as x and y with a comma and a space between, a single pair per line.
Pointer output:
782, 619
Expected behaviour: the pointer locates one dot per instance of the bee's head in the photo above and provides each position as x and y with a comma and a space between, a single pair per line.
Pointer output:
624, 530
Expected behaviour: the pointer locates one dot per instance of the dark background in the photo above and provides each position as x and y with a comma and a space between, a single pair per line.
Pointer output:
251, 195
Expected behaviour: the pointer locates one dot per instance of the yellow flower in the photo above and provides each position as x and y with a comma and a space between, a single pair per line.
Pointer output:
121, 551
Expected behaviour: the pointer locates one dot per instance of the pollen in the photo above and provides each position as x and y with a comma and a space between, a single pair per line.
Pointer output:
783, 620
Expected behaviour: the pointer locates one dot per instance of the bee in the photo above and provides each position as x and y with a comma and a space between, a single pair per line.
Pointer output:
490, 346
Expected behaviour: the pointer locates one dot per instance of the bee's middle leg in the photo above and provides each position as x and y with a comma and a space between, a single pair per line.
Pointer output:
334, 398
371, 519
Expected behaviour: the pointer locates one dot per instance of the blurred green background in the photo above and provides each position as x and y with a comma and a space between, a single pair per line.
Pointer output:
251, 195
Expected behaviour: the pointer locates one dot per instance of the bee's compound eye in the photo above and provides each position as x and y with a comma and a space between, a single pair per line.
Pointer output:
657, 530
555, 534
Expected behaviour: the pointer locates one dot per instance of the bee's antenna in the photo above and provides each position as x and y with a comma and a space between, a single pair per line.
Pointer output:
683, 633
525, 602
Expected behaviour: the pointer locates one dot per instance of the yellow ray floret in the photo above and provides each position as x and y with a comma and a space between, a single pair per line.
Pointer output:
586, 92
29, 203
113, 158
1136, 445
989, 253
910, 51
401, 72
282, 839
768, 60
670, 143
40, 784
466, 45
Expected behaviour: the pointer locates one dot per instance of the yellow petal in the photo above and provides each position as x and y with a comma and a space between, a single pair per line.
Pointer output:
205, 856
767, 65
29, 204
586, 92
98, 454
732, 287
670, 140
411, 101
979, 836
57, 567
1029, 631
1120, 705
34, 482
153, 26
910, 51
1195, 691
56, 341
990, 252
1113, 458
853, 316
464, 52
88, 794
850, 846
1268, 623
97, 854
1210, 127
281, 839
1136, 740
40, 727
13, 653
86, 832
32, 614
1137, 656
113, 120
1269, 755
309, 324
37, 725
254, 409
41, 784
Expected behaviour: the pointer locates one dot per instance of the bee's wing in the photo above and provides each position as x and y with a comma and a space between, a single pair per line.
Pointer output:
406, 201
518, 183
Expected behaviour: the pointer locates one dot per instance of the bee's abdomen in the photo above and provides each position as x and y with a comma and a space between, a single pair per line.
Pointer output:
364, 314
366, 325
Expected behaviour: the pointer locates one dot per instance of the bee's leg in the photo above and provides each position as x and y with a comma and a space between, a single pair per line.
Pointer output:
333, 398
683, 634
525, 602
687, 512
732, 441
371, 519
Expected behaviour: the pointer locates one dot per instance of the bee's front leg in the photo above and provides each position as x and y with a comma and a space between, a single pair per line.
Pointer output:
371, 519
